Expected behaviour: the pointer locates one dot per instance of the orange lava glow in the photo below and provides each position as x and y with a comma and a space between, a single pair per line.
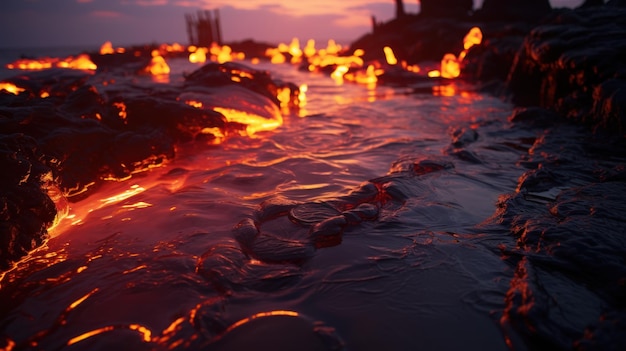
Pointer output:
80, 62
450, 63
217, 53
157, 65
261, 315
11, 88
143, 331
254, 123
107, 48
390, 56
74, 304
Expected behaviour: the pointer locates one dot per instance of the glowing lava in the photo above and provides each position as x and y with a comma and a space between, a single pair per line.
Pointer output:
450, 63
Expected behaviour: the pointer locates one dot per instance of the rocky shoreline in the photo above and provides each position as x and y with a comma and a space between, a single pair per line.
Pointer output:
563, 68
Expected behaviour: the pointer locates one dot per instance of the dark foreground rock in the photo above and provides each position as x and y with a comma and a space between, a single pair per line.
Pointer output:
573, 64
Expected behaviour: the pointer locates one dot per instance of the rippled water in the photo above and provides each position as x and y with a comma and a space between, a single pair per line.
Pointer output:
153, 262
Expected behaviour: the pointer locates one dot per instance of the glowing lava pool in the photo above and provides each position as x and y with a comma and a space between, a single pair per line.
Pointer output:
364, 220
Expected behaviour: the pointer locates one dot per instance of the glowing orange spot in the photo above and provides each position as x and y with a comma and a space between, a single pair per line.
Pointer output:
82, 62
255, 61
81, 300
261, 315
139, 204
309, 49
88, 335
10, 345
145, 332
106, 48
44, 94
198, 56
473, 37
11, 88
284, 96
81, 269
157, 65
172, 327
134, 190
450, 66
295, 51
444, 90
193, 103
138, 268
254, 123
434, 73
390, 56
338, 74
302, 94
122, 110
276, 57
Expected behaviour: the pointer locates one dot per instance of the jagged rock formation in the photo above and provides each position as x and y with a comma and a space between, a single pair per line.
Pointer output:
573, 63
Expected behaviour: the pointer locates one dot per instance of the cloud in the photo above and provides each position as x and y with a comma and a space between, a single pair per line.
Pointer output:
151, 2
106, 14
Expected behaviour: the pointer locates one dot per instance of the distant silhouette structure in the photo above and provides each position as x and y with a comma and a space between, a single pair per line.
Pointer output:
204, 29
447, 8
400, 9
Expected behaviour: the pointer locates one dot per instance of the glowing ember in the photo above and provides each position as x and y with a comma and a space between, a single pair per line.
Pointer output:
451, 64
157, 65
80, 62
11, 88
338, 74
198, 55
107, 48
473, 37
389, 56
176, 47
122, 110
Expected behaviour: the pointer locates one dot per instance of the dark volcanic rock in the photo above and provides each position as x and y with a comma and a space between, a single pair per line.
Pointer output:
573, 63
26, 211
526, 10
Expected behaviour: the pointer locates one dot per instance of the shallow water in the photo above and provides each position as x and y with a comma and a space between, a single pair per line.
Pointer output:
154, 263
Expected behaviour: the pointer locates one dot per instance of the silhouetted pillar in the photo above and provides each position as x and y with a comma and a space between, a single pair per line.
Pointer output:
400, 9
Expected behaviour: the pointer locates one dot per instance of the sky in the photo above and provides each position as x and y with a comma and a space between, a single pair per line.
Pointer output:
54, 23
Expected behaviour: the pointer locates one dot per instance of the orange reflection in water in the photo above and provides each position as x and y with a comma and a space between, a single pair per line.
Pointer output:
261, 315
145, 333
254, 123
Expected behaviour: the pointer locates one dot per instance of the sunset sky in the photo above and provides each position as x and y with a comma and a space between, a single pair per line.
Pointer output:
48, 23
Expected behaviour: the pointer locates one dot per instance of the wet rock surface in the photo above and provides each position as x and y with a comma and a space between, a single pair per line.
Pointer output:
572, 63
76, 129
566, 219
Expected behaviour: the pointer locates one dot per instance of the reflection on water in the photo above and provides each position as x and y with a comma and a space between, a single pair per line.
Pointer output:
153, 261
